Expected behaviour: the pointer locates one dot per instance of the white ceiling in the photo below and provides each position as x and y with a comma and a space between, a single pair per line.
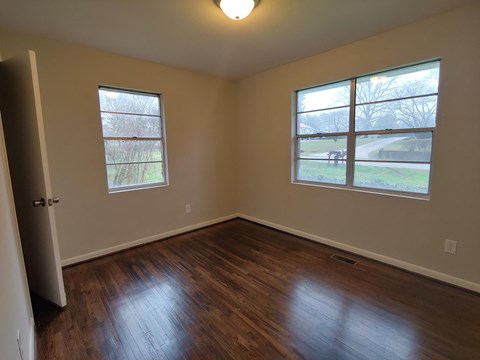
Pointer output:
196, 35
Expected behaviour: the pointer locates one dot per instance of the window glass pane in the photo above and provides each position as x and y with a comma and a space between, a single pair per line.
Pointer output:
409, 81
400, 114
393, 176
324, 97
410, 147
119, 125
127, 102
322, 171
131, 117
128, 151
134, 174
390, 111
332, 147
324, 121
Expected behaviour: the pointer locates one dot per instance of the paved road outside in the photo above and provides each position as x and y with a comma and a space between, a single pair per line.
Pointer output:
362, 152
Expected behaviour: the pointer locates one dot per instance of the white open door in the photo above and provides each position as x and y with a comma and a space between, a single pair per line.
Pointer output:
27, 157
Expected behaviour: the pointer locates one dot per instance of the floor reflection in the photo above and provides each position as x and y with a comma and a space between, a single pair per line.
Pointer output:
347, 321
158, 314
240, 291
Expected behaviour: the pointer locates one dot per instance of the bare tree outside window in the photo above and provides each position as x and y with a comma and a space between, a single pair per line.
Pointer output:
133, 138
374, 131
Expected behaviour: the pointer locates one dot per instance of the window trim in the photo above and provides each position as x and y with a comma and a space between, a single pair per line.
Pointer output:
162, 139
352, 134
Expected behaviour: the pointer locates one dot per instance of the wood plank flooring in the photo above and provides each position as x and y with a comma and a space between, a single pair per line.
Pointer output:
238, 290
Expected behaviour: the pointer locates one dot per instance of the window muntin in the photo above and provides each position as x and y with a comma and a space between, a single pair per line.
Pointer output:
134, 141
386, 131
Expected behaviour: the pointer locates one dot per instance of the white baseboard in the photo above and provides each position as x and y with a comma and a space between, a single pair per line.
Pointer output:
371, 255
124, 246
368, 254
31, 341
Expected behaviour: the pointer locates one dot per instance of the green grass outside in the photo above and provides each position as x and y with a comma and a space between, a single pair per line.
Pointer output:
398, 179
153, 174
400, 145
321, 171
325, 145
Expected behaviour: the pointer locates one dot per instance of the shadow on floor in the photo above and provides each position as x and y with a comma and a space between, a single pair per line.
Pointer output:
43, 311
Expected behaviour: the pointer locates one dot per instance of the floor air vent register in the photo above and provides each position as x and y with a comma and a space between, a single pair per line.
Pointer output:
343, 259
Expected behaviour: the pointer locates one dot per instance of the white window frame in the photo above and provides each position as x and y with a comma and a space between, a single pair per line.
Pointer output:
162, 139
351, 135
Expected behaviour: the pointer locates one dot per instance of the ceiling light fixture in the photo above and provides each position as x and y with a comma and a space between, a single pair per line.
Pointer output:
237, 9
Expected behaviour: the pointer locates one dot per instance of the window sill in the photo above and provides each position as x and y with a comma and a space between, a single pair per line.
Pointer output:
403, 195
137, 187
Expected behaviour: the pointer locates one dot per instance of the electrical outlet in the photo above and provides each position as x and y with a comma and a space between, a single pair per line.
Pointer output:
188, 209
450, 247
20, 344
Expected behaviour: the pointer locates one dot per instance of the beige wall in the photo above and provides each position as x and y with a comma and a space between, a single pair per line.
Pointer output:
229, 147
198, 111
409, 230
15, 310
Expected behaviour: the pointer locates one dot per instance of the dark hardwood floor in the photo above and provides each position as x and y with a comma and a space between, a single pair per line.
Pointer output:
238, 290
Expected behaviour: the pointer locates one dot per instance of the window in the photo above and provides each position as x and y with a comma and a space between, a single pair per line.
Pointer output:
370, 132
133, 135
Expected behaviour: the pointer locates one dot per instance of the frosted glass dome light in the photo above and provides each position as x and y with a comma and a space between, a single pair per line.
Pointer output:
237, 9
